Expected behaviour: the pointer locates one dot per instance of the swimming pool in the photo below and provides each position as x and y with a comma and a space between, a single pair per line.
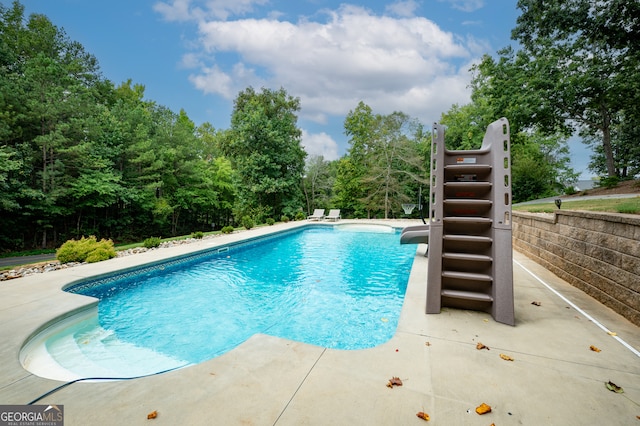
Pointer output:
336, 286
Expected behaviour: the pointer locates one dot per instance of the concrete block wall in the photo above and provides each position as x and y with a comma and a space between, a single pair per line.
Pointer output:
598, 253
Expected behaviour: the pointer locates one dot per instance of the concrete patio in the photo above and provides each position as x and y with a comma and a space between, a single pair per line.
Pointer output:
554, 378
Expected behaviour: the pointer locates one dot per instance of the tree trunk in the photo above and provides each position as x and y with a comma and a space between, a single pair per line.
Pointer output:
608, 150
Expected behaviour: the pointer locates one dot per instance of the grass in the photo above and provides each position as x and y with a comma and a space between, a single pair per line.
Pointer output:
611, 205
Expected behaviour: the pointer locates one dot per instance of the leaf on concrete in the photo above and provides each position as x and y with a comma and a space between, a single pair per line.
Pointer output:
613, 387
424, 416
394, 381
593, 348
481, 346
483, 409
536, 303
506, 357
152, 415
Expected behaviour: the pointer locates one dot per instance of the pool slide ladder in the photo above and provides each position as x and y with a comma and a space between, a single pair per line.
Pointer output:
469, 229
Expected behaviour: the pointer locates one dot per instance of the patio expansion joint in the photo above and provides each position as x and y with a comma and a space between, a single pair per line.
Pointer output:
304, 379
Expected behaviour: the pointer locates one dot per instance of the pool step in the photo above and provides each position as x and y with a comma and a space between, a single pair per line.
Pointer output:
98, 353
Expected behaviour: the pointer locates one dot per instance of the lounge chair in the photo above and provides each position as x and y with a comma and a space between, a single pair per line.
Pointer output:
317, 215
333, 214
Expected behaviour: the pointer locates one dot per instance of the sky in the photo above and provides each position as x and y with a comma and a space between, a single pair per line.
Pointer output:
412, 56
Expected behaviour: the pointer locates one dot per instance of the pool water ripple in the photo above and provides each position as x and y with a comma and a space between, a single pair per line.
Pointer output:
340, 289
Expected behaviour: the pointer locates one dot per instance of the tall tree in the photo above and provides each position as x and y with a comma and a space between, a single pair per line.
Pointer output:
265, 148
317, 183
578, 64
386, 160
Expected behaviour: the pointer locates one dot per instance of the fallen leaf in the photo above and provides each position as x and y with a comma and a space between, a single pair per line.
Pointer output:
152, 415
423, 416
427, 343
485, 320
613, 387
593, 348
536, 303
483, 409
394, 381
612, 333
481, 346
506, 357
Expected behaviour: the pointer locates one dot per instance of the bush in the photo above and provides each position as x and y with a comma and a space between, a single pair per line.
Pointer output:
300, 216
152, 242
284, 218
86, 250
197, 235
270, 221
610, 182
227, 230
247, 222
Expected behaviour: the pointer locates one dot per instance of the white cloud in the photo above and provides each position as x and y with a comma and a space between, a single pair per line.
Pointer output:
404, 9
320, 144
390, 63
187, 10
466, 5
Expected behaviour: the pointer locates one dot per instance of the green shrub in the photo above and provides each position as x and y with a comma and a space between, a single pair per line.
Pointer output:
227, 230
284, 218
197, 235
300, 216
247, 222
610, 182
270, 221
152, 242
86, 250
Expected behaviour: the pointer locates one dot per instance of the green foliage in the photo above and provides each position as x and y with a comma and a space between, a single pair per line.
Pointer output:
197, 235
227, 230
247, 222
386, 165
300, 216
264, 146
85, 250
284, 218
152, 242
576, 70
610, 182
270, 221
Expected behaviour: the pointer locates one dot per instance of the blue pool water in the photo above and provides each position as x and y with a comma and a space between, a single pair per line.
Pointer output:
339, 287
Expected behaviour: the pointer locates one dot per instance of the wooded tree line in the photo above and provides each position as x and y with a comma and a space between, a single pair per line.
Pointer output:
80, 155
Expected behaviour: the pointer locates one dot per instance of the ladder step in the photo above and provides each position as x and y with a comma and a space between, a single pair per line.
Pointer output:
468, 238
467, 168
469, 220
469, 276
474, 185
467, 256
468, 202
467, 295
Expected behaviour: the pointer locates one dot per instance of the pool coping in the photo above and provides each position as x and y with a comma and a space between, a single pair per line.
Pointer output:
268, 380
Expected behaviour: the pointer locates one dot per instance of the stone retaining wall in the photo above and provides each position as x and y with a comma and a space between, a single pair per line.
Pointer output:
599, 253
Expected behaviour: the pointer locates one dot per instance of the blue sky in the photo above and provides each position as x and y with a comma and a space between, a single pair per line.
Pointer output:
409, 55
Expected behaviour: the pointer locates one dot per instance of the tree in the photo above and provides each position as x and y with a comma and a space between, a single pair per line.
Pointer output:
386, 160
578, 64
317, 183
264, 147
